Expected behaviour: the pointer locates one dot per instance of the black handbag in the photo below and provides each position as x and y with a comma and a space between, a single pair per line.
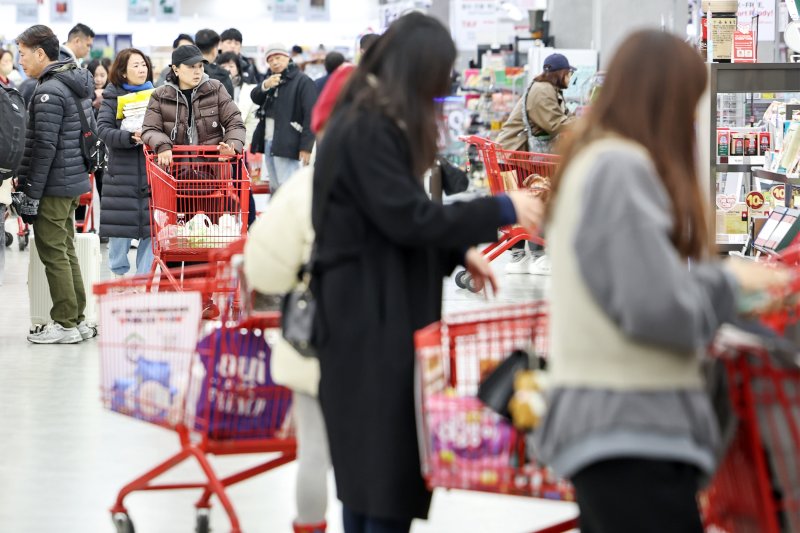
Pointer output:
496, 390
298, 310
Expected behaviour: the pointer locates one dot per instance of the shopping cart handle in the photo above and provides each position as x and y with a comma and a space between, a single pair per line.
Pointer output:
480, 142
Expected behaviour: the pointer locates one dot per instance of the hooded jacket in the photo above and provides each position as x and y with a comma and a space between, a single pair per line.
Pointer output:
215, 72
124, 206
290, 104
215, 118
53, 162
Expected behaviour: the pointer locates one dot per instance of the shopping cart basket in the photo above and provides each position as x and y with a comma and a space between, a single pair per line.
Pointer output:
464, 445
86, 200
198, 204
757, 486
208, 381
508, 170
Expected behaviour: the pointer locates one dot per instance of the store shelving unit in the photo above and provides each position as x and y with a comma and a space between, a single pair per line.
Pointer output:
726, 82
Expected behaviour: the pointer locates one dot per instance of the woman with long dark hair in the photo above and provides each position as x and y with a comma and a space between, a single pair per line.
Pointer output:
636, 297
125, 210
383, 248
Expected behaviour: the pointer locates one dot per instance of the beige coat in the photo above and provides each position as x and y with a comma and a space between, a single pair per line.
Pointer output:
547, 112
278, 245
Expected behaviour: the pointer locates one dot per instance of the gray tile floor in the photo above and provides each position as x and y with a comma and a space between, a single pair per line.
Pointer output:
63, 458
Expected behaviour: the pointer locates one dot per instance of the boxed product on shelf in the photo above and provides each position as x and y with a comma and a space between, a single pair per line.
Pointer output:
780, 230
742, 142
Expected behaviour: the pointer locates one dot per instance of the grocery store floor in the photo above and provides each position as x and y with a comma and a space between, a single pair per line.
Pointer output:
63, 458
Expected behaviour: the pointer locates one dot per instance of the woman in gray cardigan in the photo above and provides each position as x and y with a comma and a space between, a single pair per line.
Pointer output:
629, 422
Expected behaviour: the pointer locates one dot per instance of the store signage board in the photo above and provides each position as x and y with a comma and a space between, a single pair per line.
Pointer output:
140, 10
61, 11
168, 10
765, 10
28, 14
318, 10
745, 42
286, 10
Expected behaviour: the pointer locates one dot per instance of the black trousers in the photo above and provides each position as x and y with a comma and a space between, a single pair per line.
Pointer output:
638, 496
359, 523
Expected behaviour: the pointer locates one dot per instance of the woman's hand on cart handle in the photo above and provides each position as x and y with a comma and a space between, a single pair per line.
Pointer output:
754, 276
226, 149
530, 210
480, 270
165, 158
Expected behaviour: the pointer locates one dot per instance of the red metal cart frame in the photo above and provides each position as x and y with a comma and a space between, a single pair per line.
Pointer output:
507, 170
158, 383
198, 204
463, 445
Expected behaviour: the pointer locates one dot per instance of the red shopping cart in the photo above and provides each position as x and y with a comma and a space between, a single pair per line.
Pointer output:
757, 486
198, 204
463, 444
508, 170
208, 381
86, 201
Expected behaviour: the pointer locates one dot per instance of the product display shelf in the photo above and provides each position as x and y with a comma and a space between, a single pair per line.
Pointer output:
777, 177
726, 80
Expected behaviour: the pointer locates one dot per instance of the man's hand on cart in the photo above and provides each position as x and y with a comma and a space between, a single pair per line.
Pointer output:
165, 158
530, 210
305, 157
226, 150
480, 270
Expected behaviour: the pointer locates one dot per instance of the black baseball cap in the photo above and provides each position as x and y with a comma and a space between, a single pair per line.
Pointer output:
555, 62
187, 54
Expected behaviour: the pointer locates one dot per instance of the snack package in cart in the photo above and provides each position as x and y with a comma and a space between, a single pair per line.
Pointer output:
470, 445
237, 398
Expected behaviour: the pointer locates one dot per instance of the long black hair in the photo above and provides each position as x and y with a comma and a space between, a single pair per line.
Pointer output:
400, 76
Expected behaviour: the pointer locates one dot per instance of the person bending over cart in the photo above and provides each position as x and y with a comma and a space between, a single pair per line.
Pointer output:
636, 298
191, 109
539, 117
383, 248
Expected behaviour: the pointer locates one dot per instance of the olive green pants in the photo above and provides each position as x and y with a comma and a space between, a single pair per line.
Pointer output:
54, 235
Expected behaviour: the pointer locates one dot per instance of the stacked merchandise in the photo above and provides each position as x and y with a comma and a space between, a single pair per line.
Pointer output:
131, 109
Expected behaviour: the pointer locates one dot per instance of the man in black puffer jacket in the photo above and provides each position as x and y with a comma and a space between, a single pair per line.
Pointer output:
53, 175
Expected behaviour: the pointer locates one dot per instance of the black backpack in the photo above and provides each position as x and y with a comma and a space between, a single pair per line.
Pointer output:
12, 131
92, 148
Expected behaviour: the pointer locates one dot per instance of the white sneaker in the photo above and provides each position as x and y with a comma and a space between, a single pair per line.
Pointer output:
540, 266
87, 331
55, 333
520, 260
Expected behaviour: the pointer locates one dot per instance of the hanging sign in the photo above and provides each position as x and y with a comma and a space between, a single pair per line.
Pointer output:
317, 10
60, 11
286, 10
139, 10
766, 12
168, 10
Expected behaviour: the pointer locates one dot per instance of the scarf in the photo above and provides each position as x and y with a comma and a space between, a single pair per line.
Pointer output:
136, 88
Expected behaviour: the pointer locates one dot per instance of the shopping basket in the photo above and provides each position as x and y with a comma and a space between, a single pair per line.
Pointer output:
757, 486
508, 170
198, 204
208, 381
464, 445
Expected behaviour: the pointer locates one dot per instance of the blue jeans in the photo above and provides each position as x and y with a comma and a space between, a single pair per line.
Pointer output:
118, 255
359, 523
280, 169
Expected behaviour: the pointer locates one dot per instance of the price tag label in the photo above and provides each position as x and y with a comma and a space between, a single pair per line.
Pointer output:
755, 200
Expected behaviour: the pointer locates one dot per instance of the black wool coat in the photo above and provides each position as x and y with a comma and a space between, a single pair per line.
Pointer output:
125, 210
384, 248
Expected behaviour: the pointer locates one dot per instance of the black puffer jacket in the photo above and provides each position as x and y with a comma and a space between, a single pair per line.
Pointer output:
125, 210
53, 162
290, 104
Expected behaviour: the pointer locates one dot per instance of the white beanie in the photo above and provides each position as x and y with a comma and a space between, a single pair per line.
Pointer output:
277, 48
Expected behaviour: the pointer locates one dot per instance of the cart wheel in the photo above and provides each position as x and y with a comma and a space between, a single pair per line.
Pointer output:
471, 284
460, 279
123, 523
203, 521
9, 239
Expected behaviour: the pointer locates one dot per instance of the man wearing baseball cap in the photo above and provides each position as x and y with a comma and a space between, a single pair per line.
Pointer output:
286, 99
535, 122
